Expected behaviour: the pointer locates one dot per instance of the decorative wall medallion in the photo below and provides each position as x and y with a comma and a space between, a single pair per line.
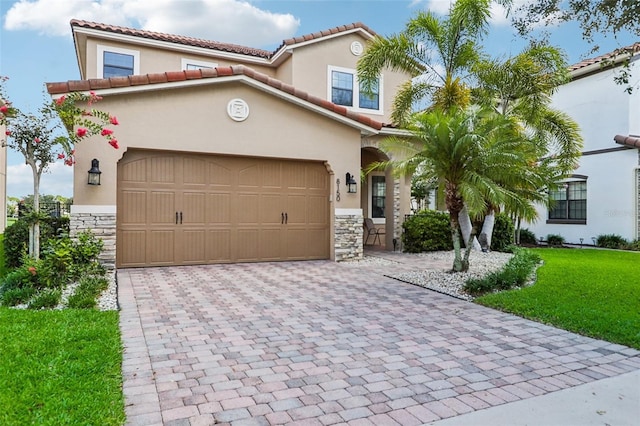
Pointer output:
356, 48
238, 109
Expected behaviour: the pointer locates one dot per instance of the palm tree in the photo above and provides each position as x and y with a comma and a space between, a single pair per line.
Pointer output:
472, 152
439, 50
521, 88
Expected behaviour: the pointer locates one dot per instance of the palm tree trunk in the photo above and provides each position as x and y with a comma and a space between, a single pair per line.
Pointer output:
488, 225
466, 229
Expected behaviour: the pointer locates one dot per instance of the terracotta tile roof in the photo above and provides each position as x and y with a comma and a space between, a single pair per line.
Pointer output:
631, 141
210, 73
632, 49
214, 45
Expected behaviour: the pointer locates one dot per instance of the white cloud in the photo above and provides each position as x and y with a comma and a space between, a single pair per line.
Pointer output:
57, 181
233, 21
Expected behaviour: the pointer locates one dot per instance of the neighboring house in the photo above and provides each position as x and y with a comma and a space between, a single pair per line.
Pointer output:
233, 154
603, 195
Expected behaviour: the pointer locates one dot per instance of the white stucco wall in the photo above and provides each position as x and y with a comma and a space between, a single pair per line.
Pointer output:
602, 109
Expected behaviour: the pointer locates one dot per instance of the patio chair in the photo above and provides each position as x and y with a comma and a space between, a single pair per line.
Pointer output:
370, 229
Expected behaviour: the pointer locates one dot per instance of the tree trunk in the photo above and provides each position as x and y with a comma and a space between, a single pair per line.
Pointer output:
465, 229
455, 236
467, 253
34, 229
487, 227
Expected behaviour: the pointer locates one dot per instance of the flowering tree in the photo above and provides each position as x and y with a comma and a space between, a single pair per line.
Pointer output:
51, 135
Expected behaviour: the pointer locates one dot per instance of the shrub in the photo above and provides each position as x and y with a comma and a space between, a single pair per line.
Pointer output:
503, 231
427, 231
46, 299
87, 291
514, 274
15, 296
527, 237
555, 240
634, 245
611, 241
16, 237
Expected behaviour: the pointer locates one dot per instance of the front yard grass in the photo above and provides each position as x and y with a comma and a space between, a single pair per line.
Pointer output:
60, 367
591, 292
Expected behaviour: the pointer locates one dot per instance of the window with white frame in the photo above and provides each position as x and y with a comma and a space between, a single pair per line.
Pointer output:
194, 64
569, 203
344, 89
117, 62
377, 196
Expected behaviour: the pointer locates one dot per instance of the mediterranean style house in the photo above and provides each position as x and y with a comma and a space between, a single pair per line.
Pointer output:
603, 195
233, 154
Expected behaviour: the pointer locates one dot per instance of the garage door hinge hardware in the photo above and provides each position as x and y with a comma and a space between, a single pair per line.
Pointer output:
179, 218
284, 218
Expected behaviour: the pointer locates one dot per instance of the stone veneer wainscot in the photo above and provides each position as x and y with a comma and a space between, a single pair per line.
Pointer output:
101, 221
348, 234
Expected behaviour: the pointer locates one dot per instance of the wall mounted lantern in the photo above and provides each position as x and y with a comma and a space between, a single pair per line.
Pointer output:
94, 173
352, 185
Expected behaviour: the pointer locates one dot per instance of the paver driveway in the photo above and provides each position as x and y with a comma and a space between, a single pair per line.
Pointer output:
326, 343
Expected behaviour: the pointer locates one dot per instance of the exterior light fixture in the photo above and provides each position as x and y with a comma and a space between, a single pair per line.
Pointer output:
94, 173
352, 185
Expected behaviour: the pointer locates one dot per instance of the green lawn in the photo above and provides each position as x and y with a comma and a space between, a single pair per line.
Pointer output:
592, 292
60, 368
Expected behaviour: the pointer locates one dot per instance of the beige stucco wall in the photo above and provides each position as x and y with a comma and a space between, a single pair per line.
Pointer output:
310, 70
195, 120
155, 60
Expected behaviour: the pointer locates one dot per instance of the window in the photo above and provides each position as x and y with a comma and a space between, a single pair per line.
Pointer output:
116, 62
569, 203
344, 89
194, 64
378, 191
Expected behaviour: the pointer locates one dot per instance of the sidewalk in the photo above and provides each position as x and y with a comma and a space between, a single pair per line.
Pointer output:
614, 401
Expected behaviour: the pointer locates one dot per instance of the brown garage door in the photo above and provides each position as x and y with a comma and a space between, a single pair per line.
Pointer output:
177, 209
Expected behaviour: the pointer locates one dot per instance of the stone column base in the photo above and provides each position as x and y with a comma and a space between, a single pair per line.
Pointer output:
348, 234
102, 224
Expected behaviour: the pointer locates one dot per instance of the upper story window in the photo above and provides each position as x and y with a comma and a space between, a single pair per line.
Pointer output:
116, 62
569, 203
194, 64
344, 89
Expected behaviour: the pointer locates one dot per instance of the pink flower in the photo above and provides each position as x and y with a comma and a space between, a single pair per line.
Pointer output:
60, 100
106, 132
114, 120
36, 140
60, 156
8, 133
4, 109
32, 270
81, 132
69, 161
73, 152
114, 143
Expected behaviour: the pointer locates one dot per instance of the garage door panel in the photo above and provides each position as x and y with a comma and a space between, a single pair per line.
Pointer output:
249, 176
316, 178
294, 176
269, 244
295, 242
193, 246
271, 175
246, 245
161, 247
271, 209
318, 214
132, 248
248, 208
134, 172
218, 208
218, 175
194, 208
218, 245
316, 246
194, 172
133, 207
296, 209
162, 208
163, 170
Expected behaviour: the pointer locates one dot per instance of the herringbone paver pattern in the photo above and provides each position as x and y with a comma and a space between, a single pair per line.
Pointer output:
320, 343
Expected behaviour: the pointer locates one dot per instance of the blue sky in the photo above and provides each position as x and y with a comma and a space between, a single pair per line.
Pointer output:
36, 44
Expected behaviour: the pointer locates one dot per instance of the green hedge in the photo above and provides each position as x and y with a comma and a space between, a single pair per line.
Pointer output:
428, 230
16, 237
